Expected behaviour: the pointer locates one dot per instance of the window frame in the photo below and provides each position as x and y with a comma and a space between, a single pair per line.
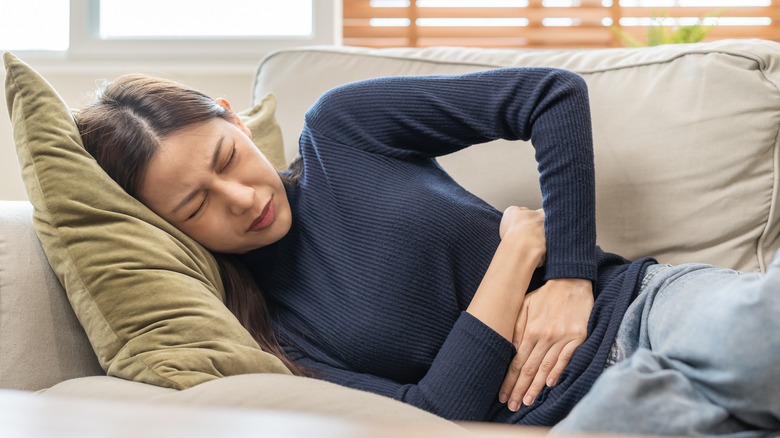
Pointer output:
86, 45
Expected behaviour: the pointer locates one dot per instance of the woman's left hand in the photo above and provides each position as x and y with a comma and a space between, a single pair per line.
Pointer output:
552, 324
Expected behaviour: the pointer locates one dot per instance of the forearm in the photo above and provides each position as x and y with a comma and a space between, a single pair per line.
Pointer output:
564, 151
499, 297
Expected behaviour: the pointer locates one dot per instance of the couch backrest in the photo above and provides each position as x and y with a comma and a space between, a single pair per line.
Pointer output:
686, 137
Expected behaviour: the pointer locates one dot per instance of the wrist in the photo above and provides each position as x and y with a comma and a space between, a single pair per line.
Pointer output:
571, 286
575, 283
526, 244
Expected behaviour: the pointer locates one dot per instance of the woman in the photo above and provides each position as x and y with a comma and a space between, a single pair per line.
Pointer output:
382, 273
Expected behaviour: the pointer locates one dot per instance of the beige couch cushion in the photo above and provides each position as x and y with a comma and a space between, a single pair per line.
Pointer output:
259, 391
685, 137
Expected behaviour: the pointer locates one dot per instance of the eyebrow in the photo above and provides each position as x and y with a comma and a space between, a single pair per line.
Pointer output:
214, 159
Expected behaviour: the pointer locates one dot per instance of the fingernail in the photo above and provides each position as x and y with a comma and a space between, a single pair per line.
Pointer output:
503, 398
551, 382
514, 406
528, 400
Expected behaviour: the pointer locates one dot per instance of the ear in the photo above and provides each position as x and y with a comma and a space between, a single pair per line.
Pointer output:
233, 116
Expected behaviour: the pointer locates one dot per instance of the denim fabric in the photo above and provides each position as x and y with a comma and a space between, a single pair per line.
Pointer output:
697, 354
628, 336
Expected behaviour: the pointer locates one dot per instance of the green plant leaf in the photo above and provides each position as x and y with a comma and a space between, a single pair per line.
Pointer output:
658, 33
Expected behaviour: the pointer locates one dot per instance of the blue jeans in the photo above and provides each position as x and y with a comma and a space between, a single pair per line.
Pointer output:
698, 353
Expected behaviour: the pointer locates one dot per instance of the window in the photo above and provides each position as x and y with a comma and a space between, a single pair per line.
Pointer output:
545, 23
101, 30
204, 18
17, 31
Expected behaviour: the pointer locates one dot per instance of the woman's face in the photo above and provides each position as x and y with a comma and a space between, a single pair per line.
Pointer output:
211, 182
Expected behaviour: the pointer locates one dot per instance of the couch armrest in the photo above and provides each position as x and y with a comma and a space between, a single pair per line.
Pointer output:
41, 341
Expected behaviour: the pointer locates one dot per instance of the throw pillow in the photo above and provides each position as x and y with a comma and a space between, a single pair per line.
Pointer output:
150, 298
266, 132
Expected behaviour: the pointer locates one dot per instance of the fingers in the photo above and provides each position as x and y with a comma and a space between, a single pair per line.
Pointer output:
552, 323
533, 375
519, 365
563, 361
543, 367
517, 362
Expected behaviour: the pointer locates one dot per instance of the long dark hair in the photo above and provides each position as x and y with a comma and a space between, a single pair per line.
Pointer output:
123, 129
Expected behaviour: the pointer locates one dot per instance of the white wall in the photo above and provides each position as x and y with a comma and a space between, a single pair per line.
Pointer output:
75, 85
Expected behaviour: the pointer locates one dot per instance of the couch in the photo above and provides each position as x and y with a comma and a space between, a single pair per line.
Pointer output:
687, 170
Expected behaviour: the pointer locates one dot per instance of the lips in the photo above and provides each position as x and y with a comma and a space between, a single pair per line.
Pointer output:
265, 219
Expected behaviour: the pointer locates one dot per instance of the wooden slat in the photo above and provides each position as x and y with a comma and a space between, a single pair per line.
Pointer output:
375, 32
365, 10
556, 36
720, 32
377, 42
555, 33
473, 42
771, 12
509, 43
530, 13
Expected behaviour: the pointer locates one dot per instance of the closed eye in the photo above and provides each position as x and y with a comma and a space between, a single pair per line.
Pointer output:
202, 204
200, 207
230, 159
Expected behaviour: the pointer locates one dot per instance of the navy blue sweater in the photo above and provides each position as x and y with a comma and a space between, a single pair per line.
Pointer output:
370, 286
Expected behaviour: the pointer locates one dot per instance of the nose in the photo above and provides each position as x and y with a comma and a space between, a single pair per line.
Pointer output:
240, 197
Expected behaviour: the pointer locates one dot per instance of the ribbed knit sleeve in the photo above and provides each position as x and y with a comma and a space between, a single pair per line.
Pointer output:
461, 384
417, 118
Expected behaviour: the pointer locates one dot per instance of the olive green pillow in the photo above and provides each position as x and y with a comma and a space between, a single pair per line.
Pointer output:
149, 298
266, 132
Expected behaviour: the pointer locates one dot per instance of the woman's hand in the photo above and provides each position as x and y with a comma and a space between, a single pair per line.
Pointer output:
552, 324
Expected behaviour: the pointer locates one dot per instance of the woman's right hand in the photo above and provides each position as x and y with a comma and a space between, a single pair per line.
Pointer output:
525, 224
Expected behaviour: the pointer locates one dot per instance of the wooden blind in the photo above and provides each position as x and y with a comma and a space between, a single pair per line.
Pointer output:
545, 23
